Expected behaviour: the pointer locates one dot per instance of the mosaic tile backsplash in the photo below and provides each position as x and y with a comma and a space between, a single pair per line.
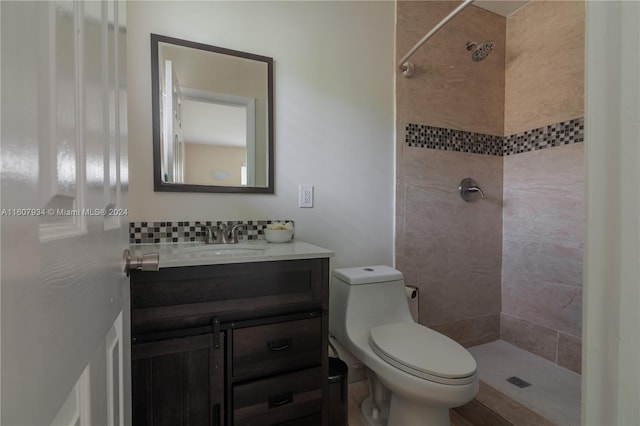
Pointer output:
565, 133
192, 231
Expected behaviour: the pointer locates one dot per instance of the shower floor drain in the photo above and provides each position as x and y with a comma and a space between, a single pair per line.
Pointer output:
518, 382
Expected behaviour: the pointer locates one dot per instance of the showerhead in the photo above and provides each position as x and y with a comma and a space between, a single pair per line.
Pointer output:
481, 50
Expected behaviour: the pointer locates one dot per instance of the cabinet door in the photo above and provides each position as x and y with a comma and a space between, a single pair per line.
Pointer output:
178, 382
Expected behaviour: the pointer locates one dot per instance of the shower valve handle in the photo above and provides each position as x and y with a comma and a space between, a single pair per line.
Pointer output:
468, 189
476, 189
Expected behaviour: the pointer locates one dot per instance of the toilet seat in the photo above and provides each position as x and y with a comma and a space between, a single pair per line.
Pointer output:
424, 353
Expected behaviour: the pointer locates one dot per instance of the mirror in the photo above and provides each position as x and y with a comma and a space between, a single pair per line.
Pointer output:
212, 118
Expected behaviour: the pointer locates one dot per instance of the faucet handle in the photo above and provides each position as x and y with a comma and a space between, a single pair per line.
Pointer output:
234, 233
213, 236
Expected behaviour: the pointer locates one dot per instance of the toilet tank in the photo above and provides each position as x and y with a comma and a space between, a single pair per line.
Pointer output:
367, 274
365, 297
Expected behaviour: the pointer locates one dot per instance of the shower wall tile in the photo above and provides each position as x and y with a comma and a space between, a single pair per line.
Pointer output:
542, 236
467, 292
557, 168
557, 307
557, 218
570, 352
481, 120
422, 252
436, 231
561, 348
451, 249
537, 261
448, 89
472, 331
531, 337
544, 74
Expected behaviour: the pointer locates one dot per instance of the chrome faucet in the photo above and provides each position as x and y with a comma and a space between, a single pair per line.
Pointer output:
222, 237
211, 237
220, 234
233, 237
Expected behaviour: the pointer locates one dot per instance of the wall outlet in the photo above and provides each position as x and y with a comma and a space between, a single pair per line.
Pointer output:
305, 195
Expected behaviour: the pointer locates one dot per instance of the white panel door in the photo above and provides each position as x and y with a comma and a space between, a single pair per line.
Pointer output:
64, 225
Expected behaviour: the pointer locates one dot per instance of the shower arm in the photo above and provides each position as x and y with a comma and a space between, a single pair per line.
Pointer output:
405, 66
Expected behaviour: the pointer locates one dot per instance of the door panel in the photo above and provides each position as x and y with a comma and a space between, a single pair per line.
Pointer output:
64, 224
76, 409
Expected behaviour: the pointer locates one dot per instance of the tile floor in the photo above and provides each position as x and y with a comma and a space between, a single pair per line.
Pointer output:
552, 398
360, 390
554, 392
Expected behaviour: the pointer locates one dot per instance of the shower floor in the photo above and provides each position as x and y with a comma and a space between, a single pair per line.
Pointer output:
554, 392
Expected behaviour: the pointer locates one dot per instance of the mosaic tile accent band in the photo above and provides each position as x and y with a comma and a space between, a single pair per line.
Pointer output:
422, 136
565, 133
191, 231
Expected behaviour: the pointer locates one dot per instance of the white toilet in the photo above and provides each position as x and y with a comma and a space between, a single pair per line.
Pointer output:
415, 374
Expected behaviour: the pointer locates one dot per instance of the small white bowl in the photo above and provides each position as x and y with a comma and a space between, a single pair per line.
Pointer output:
278, 235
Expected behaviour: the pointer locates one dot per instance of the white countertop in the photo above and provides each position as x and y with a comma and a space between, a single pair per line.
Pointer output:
197, 254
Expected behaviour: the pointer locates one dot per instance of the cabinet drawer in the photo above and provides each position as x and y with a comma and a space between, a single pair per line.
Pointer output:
278, 399
175, 298
312, 420
272, 348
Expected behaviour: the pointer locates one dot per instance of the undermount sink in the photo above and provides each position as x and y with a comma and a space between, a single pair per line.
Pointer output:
227, 249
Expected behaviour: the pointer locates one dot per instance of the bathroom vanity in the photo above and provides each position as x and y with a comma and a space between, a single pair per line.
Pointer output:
231, 335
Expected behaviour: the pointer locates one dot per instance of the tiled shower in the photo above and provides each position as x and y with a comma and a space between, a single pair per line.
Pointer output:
508, 266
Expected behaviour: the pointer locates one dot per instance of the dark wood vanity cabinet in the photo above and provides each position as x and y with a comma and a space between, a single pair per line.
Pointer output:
178, 382
231, 344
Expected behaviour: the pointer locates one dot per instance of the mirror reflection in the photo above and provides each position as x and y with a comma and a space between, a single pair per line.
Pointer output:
212, 118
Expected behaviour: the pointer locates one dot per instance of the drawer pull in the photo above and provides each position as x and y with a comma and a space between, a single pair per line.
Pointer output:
279, 345
282, 399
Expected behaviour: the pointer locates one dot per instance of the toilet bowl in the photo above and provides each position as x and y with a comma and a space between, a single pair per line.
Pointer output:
415, 374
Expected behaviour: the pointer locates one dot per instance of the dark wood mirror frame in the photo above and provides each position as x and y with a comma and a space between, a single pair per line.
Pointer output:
158, 184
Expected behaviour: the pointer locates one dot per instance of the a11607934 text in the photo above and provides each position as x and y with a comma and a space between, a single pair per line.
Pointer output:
63, 212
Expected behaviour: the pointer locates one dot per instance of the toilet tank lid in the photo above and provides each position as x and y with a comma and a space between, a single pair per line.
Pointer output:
367, 274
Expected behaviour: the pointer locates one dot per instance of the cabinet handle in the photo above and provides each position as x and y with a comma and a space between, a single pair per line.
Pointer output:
282, 399
279, 345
